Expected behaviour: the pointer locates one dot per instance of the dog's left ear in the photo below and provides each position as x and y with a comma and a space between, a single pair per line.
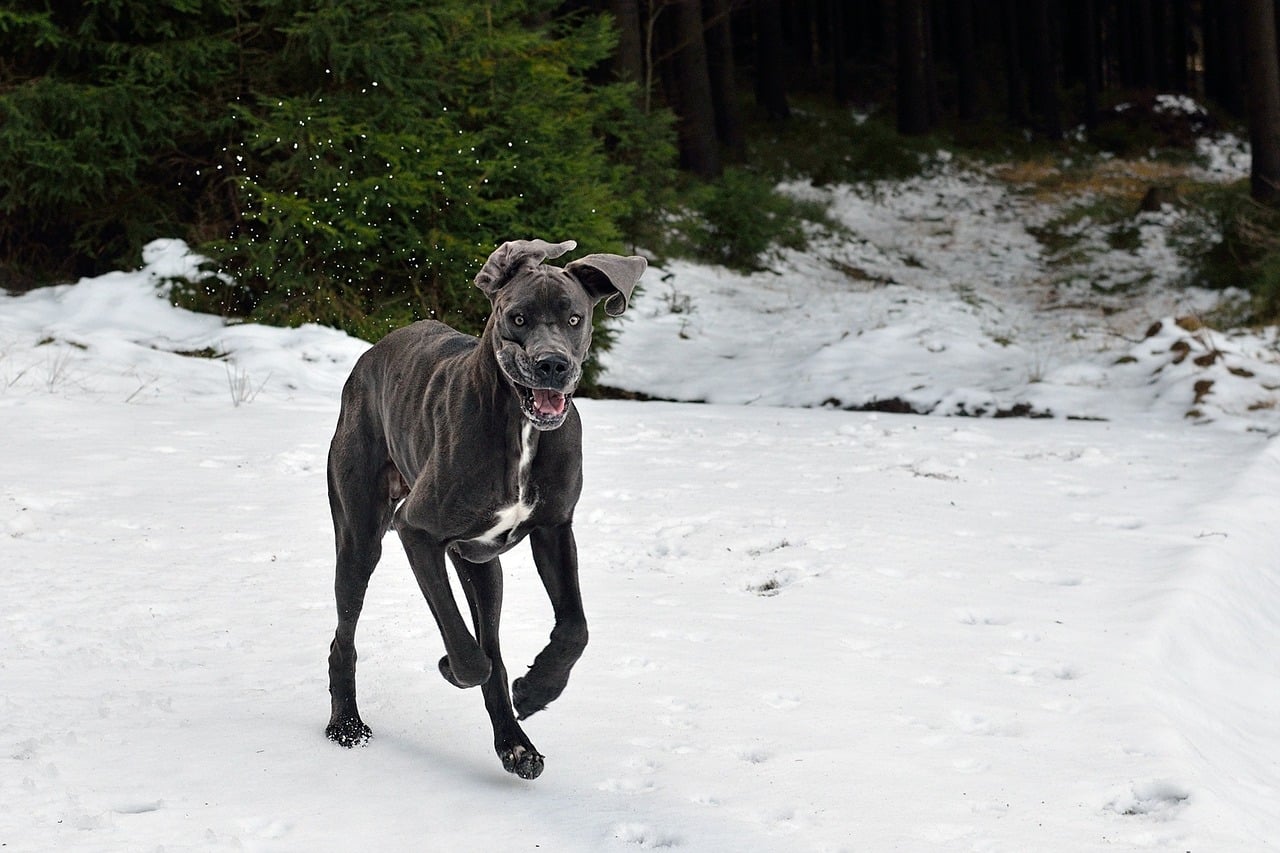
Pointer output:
608, 277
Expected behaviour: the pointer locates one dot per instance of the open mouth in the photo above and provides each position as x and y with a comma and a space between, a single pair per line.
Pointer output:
545, 408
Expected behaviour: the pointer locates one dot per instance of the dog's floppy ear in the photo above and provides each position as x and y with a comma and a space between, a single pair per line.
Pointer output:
609, 277
512, 256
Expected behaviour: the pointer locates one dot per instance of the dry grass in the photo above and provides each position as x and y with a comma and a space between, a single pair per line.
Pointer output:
1047, 179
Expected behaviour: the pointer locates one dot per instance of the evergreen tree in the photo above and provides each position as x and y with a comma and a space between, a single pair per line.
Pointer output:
344, 161
107, 129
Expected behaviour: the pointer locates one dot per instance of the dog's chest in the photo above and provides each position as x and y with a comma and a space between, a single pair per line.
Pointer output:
508, 519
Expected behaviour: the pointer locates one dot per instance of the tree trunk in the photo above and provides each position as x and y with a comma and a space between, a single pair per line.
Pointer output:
1179, 45
1012, 44
1149, 53
1224, 74
1211, 33
796, 24
1262, 69
933, 101
966, 59
1092, 76
695, 111
1044, 69
771, 86
628, 58
913, 68
841, 84
1129, 62
724, 90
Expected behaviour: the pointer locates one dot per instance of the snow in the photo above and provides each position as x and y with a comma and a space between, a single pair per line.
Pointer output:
812, 628
939, 296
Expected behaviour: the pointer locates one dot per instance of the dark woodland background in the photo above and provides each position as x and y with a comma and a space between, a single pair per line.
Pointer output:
1043, 65
352, 161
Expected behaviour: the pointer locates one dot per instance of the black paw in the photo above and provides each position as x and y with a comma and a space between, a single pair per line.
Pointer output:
529, 698
525, 763
348, 732
477, 675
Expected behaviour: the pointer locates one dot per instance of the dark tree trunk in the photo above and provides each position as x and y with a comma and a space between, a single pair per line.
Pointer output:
1224, 72
691, 95
1179, 44
1211, 33
1128, 51
1092, 69
724, 90
1262, 68
842, 86
1043, 69
797, 26
1148, 38
1012, 47
966, 59
628, 58
932, 99
771, 86
1233, 30
988, 56
913, 68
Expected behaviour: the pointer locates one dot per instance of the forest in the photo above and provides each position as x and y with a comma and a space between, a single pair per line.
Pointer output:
352, 162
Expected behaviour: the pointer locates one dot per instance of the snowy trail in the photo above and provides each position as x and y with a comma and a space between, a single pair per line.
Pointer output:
939, 297
811, 630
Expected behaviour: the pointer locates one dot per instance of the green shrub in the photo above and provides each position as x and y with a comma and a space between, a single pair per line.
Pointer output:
740, 219
1233, 241
1144, 122
830, 145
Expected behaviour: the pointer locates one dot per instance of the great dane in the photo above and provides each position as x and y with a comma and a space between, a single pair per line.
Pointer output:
466, 447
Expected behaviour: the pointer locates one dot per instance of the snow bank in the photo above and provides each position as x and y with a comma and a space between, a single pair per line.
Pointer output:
1216, 674
117, 335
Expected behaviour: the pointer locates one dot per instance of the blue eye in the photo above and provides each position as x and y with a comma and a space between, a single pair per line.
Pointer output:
517, 319
574, 319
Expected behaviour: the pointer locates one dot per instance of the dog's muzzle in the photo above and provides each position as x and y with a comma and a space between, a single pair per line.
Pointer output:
545, 385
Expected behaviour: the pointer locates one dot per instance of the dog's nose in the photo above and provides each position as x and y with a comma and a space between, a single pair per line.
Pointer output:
552, 367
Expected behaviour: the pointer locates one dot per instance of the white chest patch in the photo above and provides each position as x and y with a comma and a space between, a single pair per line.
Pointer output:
510, 517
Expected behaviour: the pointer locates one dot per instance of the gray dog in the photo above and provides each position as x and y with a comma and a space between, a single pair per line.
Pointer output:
466, 446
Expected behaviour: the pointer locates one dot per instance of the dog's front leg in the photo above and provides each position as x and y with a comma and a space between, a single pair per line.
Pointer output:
464, 664
556, 555
482, 583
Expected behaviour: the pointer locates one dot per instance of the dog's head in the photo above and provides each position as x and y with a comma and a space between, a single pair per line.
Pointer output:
541, 320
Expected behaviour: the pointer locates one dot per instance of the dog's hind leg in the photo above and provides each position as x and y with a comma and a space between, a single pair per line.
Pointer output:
362, 497
482, 582
556, 556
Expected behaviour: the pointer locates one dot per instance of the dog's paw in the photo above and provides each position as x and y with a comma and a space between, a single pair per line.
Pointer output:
528, 698
477, 674
525, 763
349, 732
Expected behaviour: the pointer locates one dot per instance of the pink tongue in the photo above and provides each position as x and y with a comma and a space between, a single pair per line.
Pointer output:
547, 402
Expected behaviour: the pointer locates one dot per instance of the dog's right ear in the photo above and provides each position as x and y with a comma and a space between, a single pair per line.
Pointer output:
512, 256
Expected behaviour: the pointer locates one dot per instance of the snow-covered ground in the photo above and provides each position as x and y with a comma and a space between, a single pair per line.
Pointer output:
812, 629
939, 299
